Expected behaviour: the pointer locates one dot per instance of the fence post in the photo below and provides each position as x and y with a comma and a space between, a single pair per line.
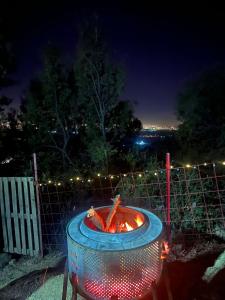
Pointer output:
38, 202
168, 166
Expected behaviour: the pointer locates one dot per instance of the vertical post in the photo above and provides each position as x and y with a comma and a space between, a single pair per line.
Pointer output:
38, 202
168, 167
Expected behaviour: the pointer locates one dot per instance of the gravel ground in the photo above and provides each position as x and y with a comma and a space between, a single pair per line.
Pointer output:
21, 266
52, 290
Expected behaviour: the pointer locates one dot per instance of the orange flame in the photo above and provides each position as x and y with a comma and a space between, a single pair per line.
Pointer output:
165, 250
138, 220
128, 227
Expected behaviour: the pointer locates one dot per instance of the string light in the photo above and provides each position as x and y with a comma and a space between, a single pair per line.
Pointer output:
128, 174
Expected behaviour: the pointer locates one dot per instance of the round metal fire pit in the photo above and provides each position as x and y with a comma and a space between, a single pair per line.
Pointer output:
121, 266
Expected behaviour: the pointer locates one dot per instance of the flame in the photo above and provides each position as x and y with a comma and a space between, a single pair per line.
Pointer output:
138, 220
128, 227
165, 250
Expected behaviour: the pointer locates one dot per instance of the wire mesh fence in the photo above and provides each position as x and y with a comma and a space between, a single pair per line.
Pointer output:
197, 200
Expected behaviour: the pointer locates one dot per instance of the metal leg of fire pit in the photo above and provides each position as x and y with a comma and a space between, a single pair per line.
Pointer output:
65, 281
74, 294
153, 291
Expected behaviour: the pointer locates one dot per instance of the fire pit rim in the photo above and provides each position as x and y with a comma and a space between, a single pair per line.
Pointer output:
82, 235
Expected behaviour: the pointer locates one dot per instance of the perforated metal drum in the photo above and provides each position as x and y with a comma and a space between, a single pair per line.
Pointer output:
121, 265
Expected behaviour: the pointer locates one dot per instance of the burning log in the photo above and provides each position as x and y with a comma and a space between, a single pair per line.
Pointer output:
117, 201
96, 219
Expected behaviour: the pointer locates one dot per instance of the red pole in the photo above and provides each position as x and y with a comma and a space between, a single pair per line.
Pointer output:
168, 166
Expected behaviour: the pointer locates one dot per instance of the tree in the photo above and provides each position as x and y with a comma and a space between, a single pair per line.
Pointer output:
50, 116
202, 113
99, 85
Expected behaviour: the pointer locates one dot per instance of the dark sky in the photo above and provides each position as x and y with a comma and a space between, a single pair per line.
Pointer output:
159, 47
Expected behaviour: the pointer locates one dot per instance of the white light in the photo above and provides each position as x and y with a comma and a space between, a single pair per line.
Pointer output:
49, 181
223, 163
188, 166
71, 179
155, 174
59, 183
124, 175
140, 175
111, 177
205, 164
98, 174
78, 178
89, 180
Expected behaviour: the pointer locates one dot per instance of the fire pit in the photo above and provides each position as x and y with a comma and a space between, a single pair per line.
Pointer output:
107, 264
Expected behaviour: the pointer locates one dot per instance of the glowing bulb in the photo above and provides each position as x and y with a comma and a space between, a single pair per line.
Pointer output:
98, 174
188, 166
59, 183
71, 179
155, 174
205, 164
78, 178
111, 177
124, 175
49, 181
223, 163
140, 175
171, 167
40, 184
89, 180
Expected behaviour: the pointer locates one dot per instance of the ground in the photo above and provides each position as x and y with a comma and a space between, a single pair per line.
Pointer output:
36, 279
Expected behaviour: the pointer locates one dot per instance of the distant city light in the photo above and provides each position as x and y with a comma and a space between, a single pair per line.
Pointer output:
140, 175
188, 166
98, 174
140, 143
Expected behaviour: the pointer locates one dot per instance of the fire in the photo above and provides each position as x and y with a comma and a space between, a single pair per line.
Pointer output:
138, 220
165, 250
128, 227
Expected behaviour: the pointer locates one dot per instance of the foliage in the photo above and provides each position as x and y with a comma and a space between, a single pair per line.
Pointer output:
194, 197
202, 113
99, 85
50, 113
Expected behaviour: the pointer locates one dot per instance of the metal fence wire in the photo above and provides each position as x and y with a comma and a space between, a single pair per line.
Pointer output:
197, 199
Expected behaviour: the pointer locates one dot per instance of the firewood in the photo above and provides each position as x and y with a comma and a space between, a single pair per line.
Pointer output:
96, 219
117, 201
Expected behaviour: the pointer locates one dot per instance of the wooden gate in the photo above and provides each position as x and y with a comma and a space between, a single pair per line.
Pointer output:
19, 215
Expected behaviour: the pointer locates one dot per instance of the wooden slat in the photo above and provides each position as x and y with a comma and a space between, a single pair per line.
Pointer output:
4, 228
34, 214
21, 215
15, 212
28, 220
7, 212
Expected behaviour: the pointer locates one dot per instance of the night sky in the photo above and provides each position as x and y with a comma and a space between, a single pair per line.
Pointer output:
159, 47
